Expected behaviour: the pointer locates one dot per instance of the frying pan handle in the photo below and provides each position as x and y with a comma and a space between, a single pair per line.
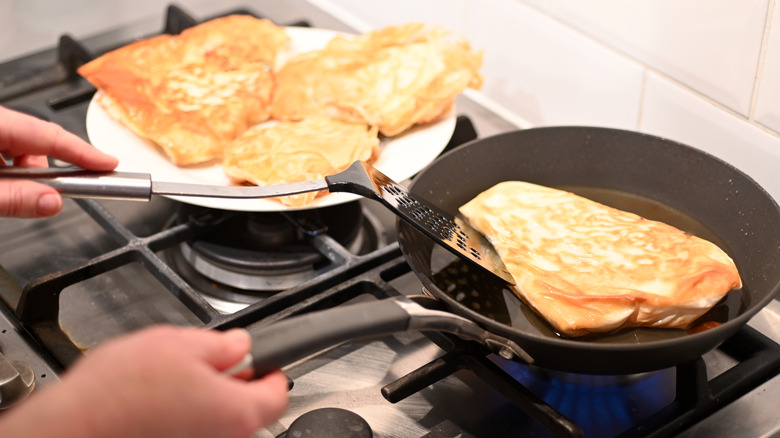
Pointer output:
292, 339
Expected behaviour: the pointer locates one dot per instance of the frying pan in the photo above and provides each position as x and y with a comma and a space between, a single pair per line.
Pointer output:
654, 177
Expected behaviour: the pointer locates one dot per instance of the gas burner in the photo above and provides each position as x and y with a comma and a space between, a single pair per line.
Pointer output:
240, 257
17, 381
329, 423
601, 405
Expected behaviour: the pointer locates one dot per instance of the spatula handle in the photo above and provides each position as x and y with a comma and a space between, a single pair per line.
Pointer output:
79, 183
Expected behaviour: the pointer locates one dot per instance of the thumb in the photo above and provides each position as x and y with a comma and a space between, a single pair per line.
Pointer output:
28, 199
223, 349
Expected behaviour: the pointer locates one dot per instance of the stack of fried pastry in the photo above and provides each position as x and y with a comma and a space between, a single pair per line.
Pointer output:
197, 93
589, 268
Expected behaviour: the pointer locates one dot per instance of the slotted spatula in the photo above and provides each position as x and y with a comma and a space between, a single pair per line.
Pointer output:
360, 179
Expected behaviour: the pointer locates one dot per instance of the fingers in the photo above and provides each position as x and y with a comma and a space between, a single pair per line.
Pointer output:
28, 199
266, 398
270, 397
29, 141
31, 161
222, 350
219, 349
21, 135
269, 393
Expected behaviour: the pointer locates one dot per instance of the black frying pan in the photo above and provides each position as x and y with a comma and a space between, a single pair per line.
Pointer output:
656, 178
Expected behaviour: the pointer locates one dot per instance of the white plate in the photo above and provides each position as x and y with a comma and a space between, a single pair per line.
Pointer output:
400, 158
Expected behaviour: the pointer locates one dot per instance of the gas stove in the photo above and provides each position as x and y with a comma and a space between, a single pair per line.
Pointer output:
103, 268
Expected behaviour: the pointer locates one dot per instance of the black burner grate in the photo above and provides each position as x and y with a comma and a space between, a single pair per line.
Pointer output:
697, 396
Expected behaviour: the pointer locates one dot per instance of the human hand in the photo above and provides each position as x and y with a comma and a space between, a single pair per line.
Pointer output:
160, 382
28, 141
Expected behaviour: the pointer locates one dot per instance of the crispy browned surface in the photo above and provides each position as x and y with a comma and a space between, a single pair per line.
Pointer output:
299, 151
193, 93
392, 78
586, 267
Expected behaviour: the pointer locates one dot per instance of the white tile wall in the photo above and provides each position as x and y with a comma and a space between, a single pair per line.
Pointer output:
704, 72
675, 112
711, 46
529, 59
768, 104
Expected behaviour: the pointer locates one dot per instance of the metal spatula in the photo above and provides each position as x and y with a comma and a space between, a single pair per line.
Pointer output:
360, 179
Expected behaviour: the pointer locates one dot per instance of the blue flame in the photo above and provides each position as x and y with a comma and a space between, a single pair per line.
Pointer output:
602, 406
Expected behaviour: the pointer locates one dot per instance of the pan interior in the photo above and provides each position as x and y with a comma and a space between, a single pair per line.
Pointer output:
495, 301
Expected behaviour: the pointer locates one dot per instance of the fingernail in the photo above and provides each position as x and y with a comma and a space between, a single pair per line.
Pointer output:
49, 204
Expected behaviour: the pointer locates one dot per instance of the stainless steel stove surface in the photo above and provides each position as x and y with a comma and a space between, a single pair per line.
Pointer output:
100, 269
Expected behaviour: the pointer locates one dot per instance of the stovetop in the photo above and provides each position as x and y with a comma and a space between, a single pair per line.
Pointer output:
108, 265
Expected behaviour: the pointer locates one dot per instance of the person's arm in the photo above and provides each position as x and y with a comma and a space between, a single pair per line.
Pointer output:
159, 382
28, 141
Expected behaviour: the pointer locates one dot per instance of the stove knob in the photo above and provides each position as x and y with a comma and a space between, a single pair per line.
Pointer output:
16, 381
329, 423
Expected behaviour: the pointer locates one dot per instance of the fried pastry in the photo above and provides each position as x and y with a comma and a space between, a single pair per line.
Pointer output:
299, 151
588, 268
192, 93
391, 78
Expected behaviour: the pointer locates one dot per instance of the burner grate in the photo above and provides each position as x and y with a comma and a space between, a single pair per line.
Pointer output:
38, 306
71, 55
695, 395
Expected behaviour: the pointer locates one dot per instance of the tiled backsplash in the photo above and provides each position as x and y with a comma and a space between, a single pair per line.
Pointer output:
702, 72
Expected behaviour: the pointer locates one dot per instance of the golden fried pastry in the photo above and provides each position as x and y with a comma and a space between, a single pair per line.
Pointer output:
299, 151
192, 93
391, 78
586, 268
